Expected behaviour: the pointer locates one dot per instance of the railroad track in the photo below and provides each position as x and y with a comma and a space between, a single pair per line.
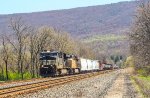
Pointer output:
35, 86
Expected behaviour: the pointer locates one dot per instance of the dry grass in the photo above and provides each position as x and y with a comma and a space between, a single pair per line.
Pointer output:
129, 70
144, 85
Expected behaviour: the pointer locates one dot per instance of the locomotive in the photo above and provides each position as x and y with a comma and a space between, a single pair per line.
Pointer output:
54, 63
57, 63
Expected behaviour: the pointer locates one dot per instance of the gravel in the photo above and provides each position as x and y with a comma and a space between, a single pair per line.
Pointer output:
124, 86
117, 88
94, 87
130, 90
19, 84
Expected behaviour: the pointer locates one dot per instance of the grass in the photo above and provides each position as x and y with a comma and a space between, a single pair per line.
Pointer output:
143, 72
144, 84
142, 79
137, 87
107, 37
145, 78
15, 76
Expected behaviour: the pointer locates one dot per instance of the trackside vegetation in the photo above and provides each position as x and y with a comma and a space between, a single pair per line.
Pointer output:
140, 47
20, 48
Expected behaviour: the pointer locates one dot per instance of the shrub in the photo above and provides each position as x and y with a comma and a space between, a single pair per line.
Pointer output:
143, 71
14, 76
1, 77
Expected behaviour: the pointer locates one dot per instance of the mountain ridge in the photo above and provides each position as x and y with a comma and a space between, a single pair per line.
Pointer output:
62, 9
82, 21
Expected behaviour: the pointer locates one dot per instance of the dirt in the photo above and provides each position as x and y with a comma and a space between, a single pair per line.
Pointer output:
117, 89
123, 87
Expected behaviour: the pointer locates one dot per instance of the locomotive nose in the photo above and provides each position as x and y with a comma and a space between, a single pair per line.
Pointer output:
47, 70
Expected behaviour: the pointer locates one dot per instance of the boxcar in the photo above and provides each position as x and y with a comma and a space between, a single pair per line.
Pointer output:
83, 64
89, 65
95, 64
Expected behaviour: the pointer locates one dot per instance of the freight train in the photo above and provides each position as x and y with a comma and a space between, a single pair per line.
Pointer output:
58, 63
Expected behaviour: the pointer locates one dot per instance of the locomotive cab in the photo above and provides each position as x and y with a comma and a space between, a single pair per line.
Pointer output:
48, 63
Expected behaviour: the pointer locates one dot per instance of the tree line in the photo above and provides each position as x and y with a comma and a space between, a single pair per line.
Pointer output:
140, 38
19, 50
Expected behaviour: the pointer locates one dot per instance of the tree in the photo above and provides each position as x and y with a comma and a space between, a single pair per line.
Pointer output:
112, 57
116, 59
121, 57
39, 40
140, 36
5, 55
20, 49
1, 72
20, 33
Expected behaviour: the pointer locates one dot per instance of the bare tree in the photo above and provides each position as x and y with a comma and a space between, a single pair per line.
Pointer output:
32, 56
140, 36
39, 41
5, 55
22, 47
2, 72
20, 35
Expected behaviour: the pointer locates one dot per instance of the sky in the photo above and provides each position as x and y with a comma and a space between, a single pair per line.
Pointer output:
27, 6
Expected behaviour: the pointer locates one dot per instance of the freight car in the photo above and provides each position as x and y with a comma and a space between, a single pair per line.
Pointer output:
108, 67
89, 65
58, 63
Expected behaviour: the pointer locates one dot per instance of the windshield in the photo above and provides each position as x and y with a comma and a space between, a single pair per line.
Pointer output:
48, 54
48, 62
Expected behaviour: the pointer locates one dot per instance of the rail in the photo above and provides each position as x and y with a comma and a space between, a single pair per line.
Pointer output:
47, 83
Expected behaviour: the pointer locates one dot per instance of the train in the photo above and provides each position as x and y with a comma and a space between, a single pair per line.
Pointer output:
55, 63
